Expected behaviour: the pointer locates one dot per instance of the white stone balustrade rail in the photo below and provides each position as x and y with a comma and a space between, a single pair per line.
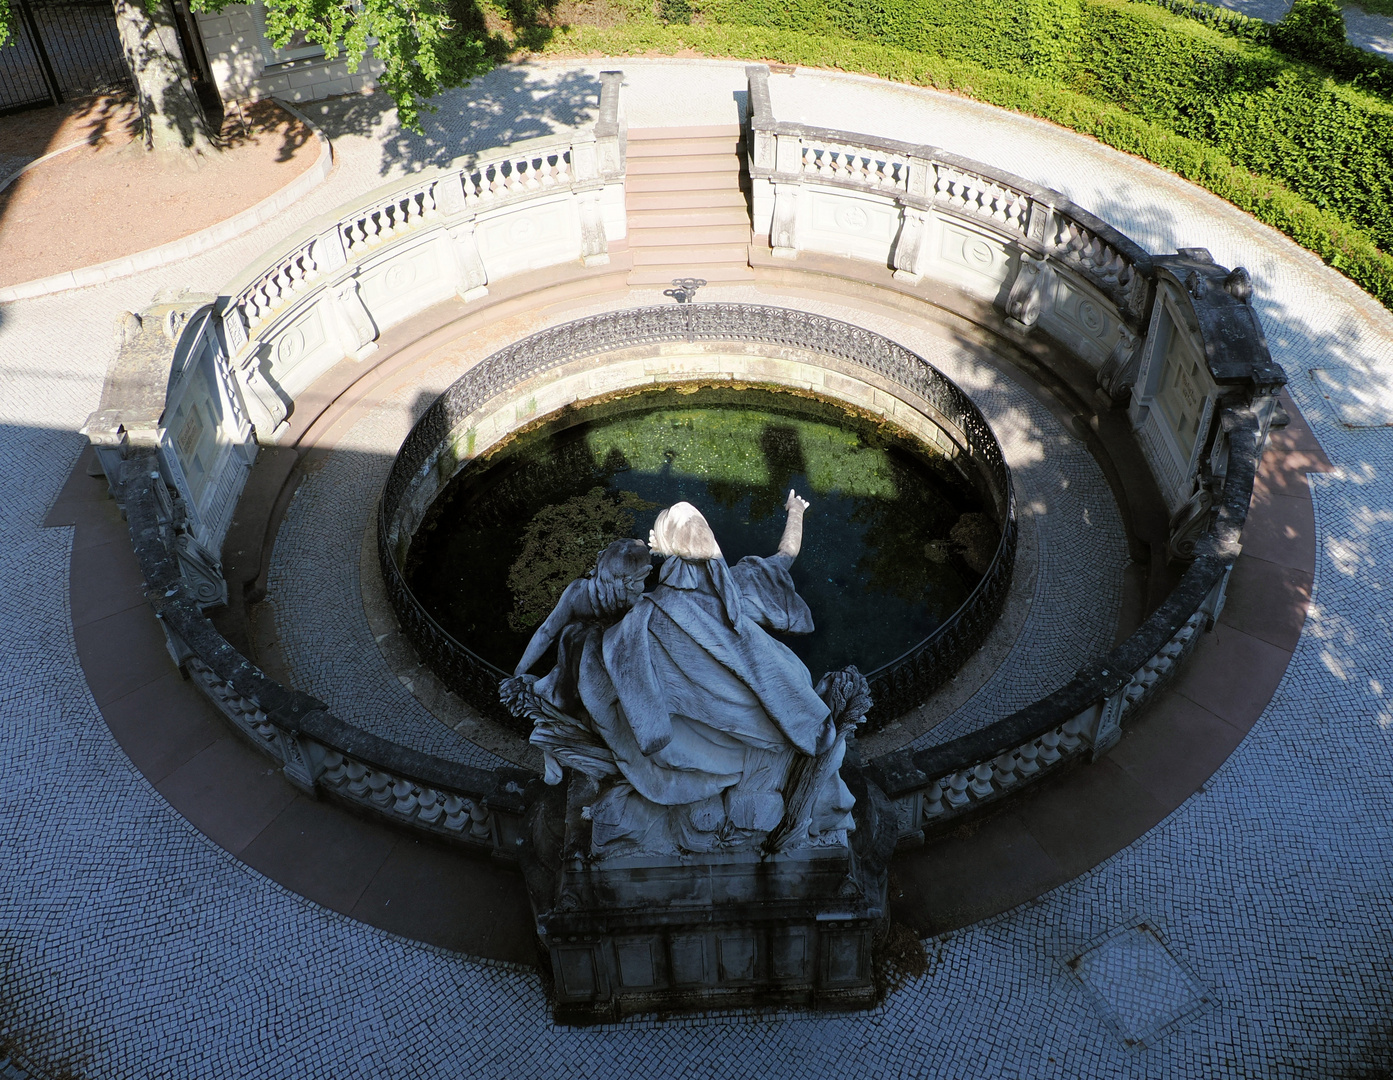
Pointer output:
176, 438
332, 289
1142, 323
319, 753
927, 213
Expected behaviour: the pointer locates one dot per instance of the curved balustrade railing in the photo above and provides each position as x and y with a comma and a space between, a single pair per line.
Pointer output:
1054, 267
333, 288
1045, 263
1037, 221
428, 459
937, 785
318, 751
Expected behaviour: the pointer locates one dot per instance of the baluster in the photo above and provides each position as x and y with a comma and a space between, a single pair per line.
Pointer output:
404, 794
389, 217
959, 192
1005, 774
957, 790
335, 767
942, 186
1049, 748
982, 780
997, 204
1029, 765
456, 815
479, 821
429, 802
380, 786
357, 774
933, 799
1071, 733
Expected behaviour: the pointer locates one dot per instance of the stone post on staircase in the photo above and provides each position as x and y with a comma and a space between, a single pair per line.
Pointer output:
779, 152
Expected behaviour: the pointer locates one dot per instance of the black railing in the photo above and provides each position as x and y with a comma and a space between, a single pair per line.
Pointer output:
60, 49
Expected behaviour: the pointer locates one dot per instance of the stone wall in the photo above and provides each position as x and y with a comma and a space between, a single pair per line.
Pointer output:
247, 68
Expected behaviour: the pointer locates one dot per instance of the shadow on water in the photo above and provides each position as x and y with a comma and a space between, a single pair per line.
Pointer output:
881, 565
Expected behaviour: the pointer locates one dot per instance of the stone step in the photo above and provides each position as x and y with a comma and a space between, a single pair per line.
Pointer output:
688, 234
666, 201
697, 163
671, 215
690, 255
696, 132
713, 274
693, 182
684, 148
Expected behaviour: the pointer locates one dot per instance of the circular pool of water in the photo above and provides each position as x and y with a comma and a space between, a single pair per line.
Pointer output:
896, 538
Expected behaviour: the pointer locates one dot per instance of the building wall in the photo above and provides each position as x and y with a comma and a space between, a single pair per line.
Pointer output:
246, 67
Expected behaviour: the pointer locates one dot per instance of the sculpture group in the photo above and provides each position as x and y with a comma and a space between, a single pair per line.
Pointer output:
702, 731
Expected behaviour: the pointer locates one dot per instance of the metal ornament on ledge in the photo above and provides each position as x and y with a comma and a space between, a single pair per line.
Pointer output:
684, 289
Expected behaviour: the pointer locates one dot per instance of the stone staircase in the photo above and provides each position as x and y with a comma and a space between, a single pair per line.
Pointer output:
687, 209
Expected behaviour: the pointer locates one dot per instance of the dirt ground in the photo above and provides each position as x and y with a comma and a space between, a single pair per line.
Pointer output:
109, 198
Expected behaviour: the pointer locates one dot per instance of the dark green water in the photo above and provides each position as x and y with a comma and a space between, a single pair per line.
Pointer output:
882, 564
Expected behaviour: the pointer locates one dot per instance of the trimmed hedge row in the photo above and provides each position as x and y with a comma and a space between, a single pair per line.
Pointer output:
1318, 230
1313, 30
1327, 141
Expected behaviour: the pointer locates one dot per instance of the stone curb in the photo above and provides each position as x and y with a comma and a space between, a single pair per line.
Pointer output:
40, 160
190, 245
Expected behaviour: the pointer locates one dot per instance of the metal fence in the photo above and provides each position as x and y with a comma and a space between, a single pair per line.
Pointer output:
60, 49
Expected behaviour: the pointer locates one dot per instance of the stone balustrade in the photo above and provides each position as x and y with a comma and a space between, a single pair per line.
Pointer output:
318, 752
927, 213
1172, 338
331, 291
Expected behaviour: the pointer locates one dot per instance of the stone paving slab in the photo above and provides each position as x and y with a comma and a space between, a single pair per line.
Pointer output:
133, 945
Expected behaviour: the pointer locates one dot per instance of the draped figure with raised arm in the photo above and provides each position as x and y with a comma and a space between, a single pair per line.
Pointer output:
701, 729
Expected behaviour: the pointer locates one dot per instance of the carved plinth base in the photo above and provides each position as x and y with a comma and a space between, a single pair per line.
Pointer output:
662, 933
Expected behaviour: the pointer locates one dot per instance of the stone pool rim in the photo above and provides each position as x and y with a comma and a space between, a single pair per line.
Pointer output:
430, 457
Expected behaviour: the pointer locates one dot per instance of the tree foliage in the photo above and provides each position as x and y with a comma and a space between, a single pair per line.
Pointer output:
424, 46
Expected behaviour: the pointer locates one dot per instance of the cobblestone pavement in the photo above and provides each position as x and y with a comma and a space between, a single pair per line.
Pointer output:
1078, 541
131, 946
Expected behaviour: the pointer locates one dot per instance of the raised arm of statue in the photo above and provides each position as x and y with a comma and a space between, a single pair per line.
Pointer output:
792, 541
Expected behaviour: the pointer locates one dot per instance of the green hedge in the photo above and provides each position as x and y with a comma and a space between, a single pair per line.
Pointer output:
1318, 230
1327, 141
1313, 30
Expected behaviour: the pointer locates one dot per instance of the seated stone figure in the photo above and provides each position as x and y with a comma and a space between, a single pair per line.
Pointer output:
702, 730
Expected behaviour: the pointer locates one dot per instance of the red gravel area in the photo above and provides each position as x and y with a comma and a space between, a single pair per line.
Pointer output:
110, 198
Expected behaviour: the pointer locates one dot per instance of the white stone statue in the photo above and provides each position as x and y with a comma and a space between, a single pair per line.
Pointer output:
702, 731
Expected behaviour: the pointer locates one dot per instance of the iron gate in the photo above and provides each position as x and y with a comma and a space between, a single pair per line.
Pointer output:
60, 49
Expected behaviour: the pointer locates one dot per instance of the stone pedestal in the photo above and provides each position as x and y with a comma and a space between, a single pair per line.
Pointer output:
660, 933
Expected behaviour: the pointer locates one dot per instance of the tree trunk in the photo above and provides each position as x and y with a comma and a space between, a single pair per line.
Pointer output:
169, 109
